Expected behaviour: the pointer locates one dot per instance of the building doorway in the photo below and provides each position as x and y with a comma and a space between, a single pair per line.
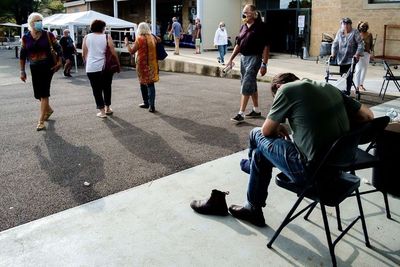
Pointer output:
283, 33
166, 9
289, 24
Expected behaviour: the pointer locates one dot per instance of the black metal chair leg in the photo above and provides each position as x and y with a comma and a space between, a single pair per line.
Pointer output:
386, 205
384, 92
364, 225
383, 84
285, 221
339, 221
328, 236
310, 210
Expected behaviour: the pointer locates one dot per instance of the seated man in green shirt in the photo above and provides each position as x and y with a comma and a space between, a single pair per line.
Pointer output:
318, 114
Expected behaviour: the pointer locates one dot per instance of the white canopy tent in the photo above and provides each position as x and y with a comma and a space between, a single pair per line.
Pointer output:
85, 18
9, 25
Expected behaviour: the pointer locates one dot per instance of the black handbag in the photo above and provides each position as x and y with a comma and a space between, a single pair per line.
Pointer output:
160, 50
53, 53
111, 63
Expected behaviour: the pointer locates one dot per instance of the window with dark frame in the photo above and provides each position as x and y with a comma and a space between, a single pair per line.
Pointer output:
383, 1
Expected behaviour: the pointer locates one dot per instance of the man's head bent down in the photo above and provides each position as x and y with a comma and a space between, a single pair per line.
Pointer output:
280, 79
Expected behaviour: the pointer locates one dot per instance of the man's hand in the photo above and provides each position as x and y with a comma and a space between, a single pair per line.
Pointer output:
23, 76
283, 132
56, 67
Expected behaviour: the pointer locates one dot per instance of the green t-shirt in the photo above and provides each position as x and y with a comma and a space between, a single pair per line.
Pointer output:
317, 113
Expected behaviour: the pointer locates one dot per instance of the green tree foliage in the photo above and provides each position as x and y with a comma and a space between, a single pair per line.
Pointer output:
19, 10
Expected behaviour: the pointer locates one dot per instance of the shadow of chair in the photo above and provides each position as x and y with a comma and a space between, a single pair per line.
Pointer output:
389, 76
328, 185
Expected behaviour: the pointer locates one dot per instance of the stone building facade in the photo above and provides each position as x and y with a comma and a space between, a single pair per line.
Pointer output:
324, 18
327, 13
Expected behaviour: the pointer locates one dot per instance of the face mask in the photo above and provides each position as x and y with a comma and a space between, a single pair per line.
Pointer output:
222, 28
244, 18
38, 25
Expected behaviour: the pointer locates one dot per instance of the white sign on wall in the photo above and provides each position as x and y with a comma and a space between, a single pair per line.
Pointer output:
301, 21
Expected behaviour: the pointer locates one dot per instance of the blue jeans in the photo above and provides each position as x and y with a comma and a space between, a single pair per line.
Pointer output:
148, 94
222, 52
266, 153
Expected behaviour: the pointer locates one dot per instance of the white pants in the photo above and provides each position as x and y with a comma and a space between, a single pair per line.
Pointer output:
361, 69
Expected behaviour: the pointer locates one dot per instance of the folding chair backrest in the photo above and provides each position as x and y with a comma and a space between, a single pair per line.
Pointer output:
341, 154
386, 67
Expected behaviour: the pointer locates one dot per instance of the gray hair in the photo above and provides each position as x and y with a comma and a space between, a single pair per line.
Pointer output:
32, 17
143, 29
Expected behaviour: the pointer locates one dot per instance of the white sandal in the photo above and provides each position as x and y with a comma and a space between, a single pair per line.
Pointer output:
101, 115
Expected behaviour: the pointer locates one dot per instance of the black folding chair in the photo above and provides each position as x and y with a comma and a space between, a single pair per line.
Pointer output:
389, 76
328, 185
364, 160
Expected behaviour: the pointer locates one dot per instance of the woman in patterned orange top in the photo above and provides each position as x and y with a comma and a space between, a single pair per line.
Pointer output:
146, 63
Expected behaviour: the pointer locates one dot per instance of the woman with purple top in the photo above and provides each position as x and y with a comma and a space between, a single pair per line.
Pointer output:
36, 47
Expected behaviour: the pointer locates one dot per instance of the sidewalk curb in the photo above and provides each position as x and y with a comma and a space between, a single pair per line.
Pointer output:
180, 66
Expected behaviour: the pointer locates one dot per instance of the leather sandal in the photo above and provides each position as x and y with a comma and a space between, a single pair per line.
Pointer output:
40, 126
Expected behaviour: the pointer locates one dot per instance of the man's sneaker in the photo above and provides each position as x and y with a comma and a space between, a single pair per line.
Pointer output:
238, 118
253, 114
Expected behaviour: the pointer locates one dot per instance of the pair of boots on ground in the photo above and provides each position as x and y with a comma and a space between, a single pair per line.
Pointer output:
216, 205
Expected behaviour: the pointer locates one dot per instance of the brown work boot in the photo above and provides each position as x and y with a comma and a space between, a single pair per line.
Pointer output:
215, 205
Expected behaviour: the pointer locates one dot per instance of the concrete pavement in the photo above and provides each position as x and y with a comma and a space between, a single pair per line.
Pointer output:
153, 225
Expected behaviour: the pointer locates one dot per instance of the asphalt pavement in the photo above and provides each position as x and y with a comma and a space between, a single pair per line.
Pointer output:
44, 172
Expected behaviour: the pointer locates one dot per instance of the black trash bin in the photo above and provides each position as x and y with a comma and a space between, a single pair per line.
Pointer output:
386, 178
325, 49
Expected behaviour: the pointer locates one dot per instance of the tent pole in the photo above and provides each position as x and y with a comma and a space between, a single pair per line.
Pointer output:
153, 17
115, 8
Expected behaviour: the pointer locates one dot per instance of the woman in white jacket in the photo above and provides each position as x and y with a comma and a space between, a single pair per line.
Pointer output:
221, 41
